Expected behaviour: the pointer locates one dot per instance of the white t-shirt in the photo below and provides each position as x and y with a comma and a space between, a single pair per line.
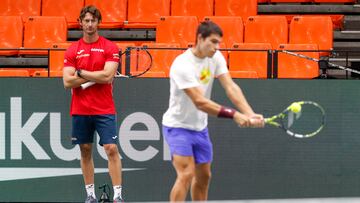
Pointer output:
189, 71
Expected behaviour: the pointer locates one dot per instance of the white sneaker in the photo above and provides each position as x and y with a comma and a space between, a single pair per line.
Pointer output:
90, 199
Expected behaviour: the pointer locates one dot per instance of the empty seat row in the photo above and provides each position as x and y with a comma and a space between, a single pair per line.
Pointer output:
265, 29
254, 64
246, 60
128, 13
42, 32
36, 33
257, 29
337, 19
136, 13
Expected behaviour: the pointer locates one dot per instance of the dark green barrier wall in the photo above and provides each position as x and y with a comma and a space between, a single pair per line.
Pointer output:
38, 163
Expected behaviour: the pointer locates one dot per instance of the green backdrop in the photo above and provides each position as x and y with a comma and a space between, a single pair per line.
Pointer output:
39, 164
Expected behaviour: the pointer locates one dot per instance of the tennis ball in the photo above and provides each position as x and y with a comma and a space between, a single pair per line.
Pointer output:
295, 107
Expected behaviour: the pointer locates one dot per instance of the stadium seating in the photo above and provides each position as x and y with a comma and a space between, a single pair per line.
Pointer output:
68, 8
162, 58
11, 34
56, 58
243, 8
232, 27
251, 63
23, 8
224, 53
314, 30
56, 61
145, 14
337, 19
295, 67
266, 29
199, 8
38, 24
43, 32
113, 12
177, 29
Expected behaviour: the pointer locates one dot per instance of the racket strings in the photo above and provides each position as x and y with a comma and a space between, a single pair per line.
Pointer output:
143, 60
291, 118
139, 61
307, 121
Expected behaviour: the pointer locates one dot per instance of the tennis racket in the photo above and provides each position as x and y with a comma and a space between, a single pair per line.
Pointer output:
136, 60
301, 119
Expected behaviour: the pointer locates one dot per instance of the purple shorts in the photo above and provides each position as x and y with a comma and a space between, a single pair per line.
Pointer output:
185, 142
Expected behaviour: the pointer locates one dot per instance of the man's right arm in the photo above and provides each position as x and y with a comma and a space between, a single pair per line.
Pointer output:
212, 108
70, 78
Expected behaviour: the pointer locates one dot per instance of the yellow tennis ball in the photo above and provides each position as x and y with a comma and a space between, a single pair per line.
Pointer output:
295, 107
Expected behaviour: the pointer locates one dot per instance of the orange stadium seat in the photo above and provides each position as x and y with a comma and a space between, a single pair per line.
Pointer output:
11, 34
266, 29
113, 12
249, 64
14, 73
23, 8
177, 29
312, 30
145, 14
337, 19
56, 58
56, 61
68, 8
224, 53
162, 58
43, 32
199, 8
295, 67
232, 27
243, 8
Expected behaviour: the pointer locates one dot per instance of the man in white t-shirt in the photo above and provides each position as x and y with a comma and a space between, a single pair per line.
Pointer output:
185, 122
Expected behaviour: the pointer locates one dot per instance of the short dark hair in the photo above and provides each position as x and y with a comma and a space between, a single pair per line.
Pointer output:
206, 28
92, 10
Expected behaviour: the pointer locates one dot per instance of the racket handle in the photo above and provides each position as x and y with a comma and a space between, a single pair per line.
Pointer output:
87, 84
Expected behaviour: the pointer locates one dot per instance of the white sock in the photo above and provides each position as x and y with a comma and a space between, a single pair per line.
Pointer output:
117, 191
90, 190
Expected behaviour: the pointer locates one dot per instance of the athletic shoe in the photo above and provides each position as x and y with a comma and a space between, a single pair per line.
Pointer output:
118, 200
90, 199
